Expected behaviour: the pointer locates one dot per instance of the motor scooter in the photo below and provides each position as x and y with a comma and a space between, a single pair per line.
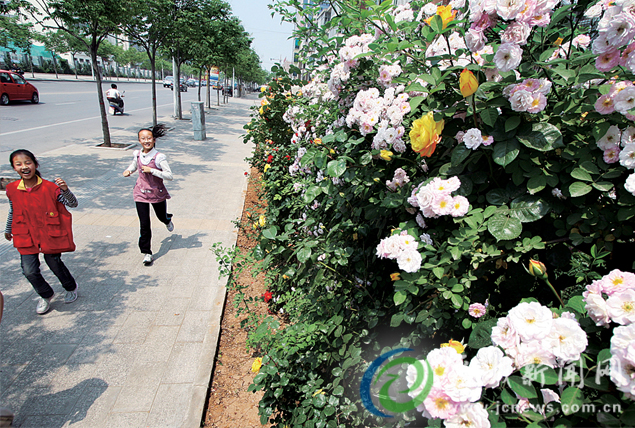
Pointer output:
115, 105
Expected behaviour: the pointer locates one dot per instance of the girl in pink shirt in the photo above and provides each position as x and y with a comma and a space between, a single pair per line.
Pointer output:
149, 190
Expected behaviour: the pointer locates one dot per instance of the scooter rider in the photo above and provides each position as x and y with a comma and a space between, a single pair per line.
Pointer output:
114, 96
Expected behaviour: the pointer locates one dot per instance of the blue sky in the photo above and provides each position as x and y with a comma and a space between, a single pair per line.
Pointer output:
270, 36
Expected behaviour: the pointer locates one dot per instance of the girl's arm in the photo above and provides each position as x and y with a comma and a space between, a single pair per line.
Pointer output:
165, 173
67, 198
7, 229
132, 167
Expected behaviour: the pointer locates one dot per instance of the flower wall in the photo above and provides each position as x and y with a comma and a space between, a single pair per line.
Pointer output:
453, 173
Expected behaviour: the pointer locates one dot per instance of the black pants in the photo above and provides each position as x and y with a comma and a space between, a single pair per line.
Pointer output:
117, 101
143, 211
31, 269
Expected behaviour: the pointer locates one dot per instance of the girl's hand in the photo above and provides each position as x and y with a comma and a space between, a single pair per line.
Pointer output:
127, 173
146, 169
7, 236
61, 184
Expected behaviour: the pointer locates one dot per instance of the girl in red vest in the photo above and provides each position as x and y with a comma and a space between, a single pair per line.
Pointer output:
40, 223
149, 190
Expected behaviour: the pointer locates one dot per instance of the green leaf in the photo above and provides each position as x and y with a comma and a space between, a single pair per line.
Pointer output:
541, 136
320, 160
399, 297
571, 400
512, 123
311, 193
304, 254
497, 197
504, 227
270, 233
466, 323
603, 186
336, 167
396, 320
415, 101
436, 23
581, 174
517, 385
438, 272
489, 116
481, 336
528, 208
579, 188
577, 304
456, 300
624, 214
505, 152
459, 154
536, 184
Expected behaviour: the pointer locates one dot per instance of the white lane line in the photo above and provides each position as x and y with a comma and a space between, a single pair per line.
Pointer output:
71, 121
65, 104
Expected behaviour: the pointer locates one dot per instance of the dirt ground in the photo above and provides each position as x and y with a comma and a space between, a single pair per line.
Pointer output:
230, 405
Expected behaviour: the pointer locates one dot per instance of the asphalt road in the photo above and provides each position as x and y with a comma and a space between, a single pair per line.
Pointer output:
68, 113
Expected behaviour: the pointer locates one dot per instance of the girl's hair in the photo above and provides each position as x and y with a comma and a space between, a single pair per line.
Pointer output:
27, 154
157, 131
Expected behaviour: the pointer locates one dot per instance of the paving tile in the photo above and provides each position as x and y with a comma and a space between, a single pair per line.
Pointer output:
191, 330
173, 311
137, 394
172, 400
158, 344
184, 363
127, 420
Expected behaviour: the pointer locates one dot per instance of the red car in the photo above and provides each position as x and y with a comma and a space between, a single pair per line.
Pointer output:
14, 87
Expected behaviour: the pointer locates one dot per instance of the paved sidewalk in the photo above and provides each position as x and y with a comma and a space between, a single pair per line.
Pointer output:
137, 347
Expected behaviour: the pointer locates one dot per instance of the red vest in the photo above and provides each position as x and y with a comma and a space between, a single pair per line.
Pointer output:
41, 224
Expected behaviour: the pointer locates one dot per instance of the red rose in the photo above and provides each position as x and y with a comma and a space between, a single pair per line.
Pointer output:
269, 158
268, 296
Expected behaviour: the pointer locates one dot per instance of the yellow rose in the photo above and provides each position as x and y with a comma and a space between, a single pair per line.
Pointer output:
317, 141
395, 276
385, 155
262, 221
255, 366
558, 41
455, 344
264, 102
261, 111
263, 88
425, 134
267, 167
446, 13
467, 83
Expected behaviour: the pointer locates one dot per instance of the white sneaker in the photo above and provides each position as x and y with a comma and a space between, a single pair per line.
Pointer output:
71, 296
43, 305
170, 226
147, 259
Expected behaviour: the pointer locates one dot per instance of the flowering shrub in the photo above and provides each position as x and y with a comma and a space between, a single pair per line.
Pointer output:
460, 141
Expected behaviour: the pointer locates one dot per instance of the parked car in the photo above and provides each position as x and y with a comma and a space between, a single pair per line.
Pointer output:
167, 82
192, 83
14, 87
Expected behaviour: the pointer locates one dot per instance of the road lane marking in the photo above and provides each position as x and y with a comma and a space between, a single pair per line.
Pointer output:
71, 121
65, 104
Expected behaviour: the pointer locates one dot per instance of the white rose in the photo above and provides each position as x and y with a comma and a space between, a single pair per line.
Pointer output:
567, 340
531, 320
508, 56
491, 365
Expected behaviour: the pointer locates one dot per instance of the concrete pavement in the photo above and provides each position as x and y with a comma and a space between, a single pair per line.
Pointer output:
137, 347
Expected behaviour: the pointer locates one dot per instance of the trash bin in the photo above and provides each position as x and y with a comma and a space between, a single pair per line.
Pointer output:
198, 120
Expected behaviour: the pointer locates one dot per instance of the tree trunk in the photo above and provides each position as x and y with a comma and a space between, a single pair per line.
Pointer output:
100, 96
200, 72
209, 88
74, 65
55, 65
176, 92
153, 59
